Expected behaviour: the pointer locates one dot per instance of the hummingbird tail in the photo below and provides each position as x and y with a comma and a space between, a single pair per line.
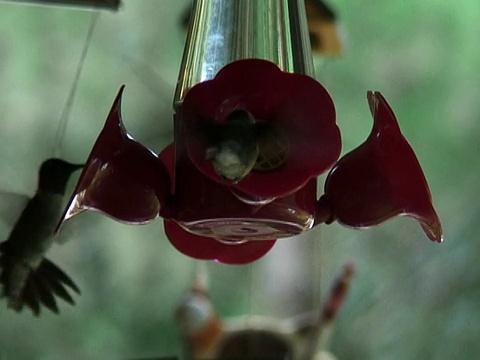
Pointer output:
33, 288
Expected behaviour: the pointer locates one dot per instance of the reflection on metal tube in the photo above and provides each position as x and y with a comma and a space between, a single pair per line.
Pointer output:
222, 31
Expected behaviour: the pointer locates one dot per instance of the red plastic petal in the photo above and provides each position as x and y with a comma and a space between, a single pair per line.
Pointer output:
121, 178
211, 204
381, 178
206, 248
298, 104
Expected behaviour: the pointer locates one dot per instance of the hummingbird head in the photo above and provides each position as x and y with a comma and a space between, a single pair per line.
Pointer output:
54, 174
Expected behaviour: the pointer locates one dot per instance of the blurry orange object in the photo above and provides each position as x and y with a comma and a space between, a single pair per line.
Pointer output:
323, 29
299, 338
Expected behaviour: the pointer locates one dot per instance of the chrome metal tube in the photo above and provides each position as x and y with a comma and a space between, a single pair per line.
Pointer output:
222, 31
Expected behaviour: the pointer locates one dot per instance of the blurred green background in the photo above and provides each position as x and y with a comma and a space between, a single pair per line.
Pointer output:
410, 299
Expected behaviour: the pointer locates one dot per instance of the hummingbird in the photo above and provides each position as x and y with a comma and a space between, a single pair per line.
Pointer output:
27, 278
234, 146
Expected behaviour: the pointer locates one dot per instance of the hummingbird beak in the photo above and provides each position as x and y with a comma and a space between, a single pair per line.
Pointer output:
75, 167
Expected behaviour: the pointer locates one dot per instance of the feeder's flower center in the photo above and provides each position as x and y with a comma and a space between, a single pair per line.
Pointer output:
234, 149
267, 131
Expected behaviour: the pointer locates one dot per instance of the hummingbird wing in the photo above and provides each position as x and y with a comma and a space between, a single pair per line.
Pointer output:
45, 294
55, 273
40, 286
56, 285
44, 284
11, 206
30, 298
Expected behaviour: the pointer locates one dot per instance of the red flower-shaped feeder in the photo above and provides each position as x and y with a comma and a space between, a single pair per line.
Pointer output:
215, 247
307, 141
381, 178
208, 217
121, 178
207, 248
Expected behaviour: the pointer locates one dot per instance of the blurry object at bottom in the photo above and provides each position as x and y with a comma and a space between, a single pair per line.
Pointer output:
27, 278
322, 27
301, 337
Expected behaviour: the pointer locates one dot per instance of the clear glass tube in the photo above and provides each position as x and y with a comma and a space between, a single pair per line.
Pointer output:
222, 31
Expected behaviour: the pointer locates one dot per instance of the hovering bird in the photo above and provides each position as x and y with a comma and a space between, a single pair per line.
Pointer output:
235, 145
27, 278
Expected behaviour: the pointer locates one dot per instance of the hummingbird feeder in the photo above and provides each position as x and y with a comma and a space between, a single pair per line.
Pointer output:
254, 57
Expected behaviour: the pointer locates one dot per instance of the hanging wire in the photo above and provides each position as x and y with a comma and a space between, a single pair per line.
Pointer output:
151, 79
317, 269
62, 124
